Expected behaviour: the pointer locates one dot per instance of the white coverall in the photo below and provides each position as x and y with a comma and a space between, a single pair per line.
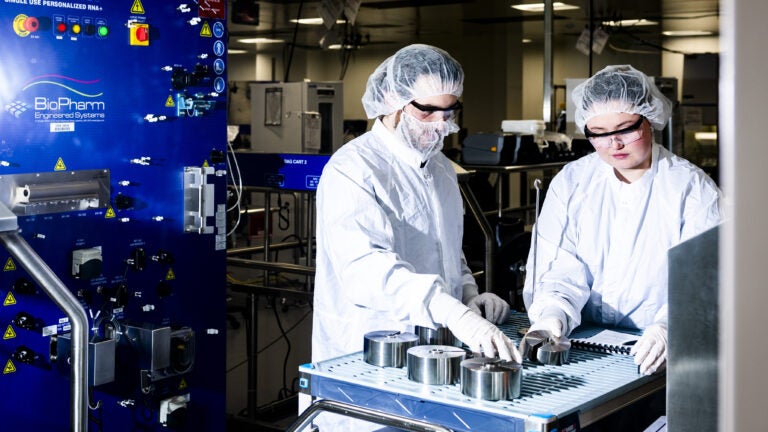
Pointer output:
389, 236
602, 243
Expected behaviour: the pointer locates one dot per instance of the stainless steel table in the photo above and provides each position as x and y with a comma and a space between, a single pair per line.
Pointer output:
591, 386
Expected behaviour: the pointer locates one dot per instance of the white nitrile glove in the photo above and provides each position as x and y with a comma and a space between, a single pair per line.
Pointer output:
478, 333
491, 306
650, 351
551, 325
482, 336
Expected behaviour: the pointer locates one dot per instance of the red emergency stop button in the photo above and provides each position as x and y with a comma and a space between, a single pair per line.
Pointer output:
31, 24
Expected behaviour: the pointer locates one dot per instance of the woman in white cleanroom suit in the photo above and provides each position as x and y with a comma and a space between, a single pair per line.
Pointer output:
609, 218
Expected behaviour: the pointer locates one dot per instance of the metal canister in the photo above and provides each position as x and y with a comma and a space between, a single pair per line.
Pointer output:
438, 336
388, 348
435, 364
538, 346
491, 378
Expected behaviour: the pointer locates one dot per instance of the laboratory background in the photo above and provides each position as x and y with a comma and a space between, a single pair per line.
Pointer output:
159, 163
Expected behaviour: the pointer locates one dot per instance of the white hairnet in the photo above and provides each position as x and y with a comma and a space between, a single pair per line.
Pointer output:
620, 88
413, 72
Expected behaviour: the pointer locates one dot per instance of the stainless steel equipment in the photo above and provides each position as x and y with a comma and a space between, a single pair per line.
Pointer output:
388, 348
539, 346
438, 336
579, 393
491, 379
435, 364
297, 117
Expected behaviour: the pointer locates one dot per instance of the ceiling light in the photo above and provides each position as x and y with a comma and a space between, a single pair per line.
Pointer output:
260, 40
630, 23
705, 136
313, 21
236, 51
687, 33
539, 7
338, 46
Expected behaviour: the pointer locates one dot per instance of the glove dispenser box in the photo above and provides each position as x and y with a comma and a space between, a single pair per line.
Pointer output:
499, 149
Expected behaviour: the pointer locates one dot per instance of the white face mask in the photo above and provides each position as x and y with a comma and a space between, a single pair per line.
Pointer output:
424, 137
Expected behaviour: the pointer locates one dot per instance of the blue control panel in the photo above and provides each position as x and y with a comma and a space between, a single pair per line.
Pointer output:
113, 162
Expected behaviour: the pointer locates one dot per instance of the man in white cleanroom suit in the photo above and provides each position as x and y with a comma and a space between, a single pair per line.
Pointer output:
609, 218
390, 220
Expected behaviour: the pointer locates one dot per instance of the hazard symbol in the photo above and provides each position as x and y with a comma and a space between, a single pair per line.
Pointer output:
110, 213
9, 333
9, 265
205, 164
60, 165
182, 384
137, 7
10, 300
9, 368
170, 275
169, 102
206, 30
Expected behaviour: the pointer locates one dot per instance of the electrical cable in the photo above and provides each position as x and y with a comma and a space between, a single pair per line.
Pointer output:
237, 184
283, 214
282, 394
274, 341
293, 42
650, 44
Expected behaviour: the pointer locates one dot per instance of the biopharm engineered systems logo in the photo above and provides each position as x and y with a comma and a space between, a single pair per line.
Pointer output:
59, 100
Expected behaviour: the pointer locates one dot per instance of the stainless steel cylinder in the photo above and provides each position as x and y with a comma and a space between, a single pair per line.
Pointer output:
439, 336
388, 348
554, 354
539, 347
435, 364
491, 378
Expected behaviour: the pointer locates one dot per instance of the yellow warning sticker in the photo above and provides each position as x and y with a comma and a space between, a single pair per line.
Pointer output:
205, 164
206, 30
9, 265
9, 368
169, 102
170, 275
182, 384
137, 7
60, 165
9, 333
110, 213
10, 300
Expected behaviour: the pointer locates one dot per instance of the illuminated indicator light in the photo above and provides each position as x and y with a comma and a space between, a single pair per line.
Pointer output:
103, 31
31, 24
61, 27
76, 29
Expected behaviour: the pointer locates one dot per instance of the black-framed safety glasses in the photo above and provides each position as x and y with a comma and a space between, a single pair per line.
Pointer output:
623, 136
428, 110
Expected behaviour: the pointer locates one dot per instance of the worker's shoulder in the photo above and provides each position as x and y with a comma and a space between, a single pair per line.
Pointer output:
676, 169
361, 155
579, 170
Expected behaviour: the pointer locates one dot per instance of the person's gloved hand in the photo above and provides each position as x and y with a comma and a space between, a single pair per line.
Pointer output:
491, 306
548, 328
551, 325
482, 336
651, 350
